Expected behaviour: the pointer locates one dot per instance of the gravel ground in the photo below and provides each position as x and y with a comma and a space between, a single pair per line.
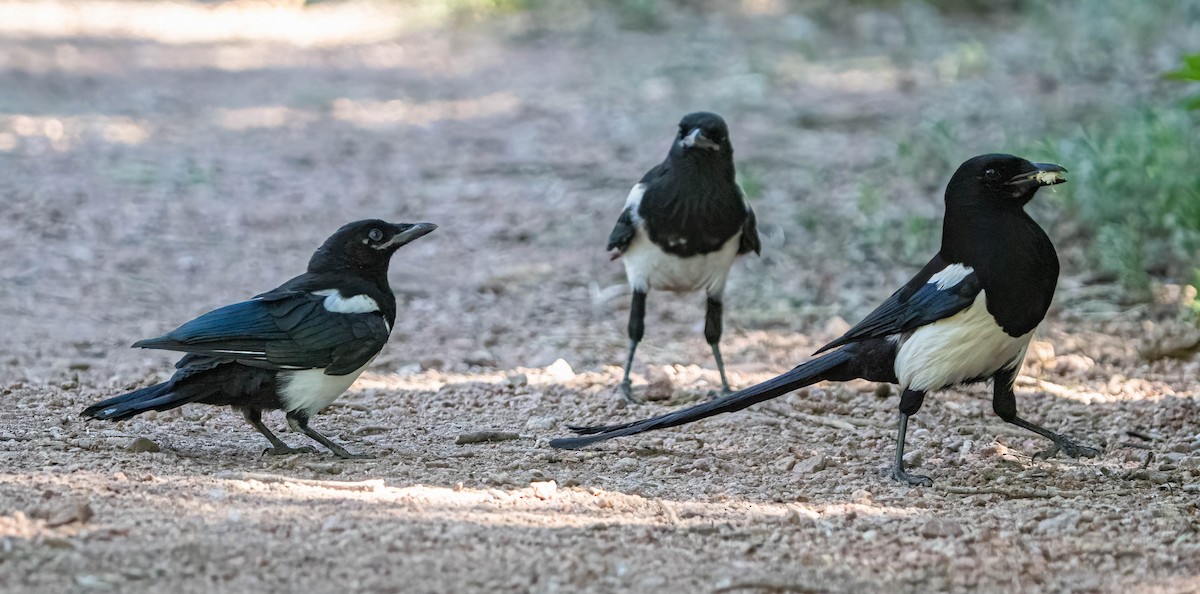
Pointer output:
151, 173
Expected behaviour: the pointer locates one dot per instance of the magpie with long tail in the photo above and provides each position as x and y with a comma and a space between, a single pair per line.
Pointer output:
295, 348
682, 227
967, 316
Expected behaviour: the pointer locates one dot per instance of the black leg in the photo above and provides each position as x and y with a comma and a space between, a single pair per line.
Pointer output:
278, 448
637, 328
299, 422
712, 333
1004, 402
910, 403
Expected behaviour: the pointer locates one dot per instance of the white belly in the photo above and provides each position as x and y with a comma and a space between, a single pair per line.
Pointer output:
311, 390
965, 346
649, 267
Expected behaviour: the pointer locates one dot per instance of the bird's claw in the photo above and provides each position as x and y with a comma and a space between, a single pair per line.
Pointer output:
715, 394
1068, 447
288, 450
916, 480
625, 389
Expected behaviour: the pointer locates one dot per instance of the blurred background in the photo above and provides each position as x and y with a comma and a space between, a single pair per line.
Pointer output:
161, 158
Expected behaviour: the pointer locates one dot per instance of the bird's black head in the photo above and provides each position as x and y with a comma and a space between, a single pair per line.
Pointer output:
1000, 181
702, 134
365, 246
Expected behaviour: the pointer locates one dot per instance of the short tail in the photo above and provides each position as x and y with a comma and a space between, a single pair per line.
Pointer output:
157, 397
807, 374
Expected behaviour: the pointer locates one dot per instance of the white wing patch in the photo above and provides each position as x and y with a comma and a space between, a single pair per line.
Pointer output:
634, 199
336, 303
965, 346
950, 276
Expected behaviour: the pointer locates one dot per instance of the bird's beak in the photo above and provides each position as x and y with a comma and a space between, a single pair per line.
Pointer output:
407, 233
696, 139
1044, 174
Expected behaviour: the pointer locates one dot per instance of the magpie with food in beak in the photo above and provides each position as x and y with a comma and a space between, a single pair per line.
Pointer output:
967, 316
295, 348
683, 225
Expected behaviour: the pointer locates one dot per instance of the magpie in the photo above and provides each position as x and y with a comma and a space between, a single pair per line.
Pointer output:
967, 316
682, 227
294, 348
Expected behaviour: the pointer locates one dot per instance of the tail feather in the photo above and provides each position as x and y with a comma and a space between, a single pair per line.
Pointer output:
162, 396
804, 375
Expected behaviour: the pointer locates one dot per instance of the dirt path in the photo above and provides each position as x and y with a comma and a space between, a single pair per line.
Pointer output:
151, 173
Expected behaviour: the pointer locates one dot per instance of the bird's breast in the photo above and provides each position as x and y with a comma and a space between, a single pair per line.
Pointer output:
311, 390
648, 266
967, 346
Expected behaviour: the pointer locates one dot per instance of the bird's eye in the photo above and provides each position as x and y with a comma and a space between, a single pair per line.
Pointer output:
375, 235
991, 174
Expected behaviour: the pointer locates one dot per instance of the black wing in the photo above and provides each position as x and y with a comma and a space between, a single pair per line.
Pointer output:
280, 330
750, 241
917, 303
622, 233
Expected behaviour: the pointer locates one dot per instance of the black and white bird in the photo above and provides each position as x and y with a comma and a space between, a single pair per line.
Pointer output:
967, 316
682, 227
295, 348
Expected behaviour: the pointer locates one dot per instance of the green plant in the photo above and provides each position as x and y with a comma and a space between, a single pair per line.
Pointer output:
1189, 72
1135, 189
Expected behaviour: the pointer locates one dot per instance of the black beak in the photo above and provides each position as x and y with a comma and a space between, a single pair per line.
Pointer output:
409, 232
1043, 174
697, 139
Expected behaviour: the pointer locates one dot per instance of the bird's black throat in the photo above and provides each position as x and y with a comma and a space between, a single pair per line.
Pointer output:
1013, 257
693, 206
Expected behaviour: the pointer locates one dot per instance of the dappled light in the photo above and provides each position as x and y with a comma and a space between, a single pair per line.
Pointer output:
161, 159
396, 111
63, 133
323, 24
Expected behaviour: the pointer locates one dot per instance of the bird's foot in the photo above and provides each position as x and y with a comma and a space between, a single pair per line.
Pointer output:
723, 392
625, 389
1068, 447
286, 450
916, 480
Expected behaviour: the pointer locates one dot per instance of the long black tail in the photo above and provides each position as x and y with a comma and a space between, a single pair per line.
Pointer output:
162, 396
804, 375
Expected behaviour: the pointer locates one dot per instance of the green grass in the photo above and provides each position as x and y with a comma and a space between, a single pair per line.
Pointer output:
1135, 189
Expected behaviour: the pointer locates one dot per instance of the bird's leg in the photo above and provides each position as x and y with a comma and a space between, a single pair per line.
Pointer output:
1004, 402
637, 328
278, 447
298, 420
910, 403
712, 333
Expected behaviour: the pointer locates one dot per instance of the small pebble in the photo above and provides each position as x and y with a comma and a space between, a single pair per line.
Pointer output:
626, 465
810, 465
485, 436
480, 358
544, 490
142, 444
560, 371
541, 423
938, 528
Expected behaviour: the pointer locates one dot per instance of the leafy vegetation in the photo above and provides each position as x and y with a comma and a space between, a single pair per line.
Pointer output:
1189, 72
1135, 188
